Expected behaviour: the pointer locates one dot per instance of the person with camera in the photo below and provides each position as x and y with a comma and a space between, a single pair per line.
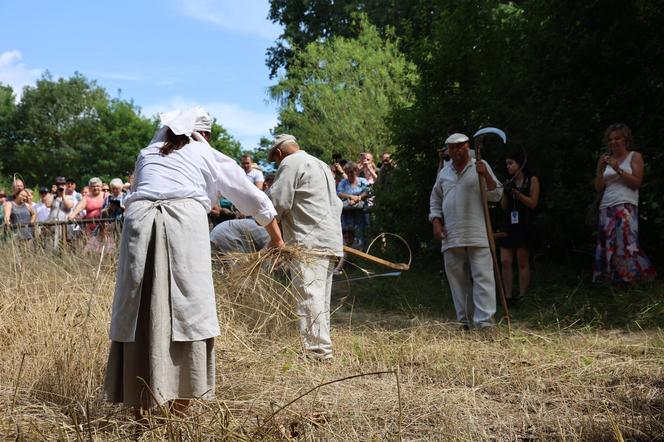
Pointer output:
61, 207
367, 167
386, 168
62, 204
114, 203
619, 174
520, 198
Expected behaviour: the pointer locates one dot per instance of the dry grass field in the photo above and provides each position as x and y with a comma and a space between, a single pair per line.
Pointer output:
395, 376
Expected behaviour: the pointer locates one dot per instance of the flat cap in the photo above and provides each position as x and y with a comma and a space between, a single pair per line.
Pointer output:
280, 140
456, 138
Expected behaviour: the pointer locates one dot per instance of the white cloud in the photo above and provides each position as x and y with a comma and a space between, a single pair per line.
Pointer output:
244, 17
15, 73
247, 126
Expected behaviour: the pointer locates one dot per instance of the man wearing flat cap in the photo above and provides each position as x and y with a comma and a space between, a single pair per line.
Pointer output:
304, 195
456, 212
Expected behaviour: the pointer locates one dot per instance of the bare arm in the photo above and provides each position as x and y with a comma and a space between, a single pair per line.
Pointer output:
370, 171
272, 229
68, 203
7, 208
79, 207
634, 179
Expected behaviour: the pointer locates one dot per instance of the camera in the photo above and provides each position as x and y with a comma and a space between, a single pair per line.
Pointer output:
336, 157
61, 189
508, 186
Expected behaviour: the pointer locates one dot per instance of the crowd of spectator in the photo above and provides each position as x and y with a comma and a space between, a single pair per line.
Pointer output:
97, 200
61, 202
354, 186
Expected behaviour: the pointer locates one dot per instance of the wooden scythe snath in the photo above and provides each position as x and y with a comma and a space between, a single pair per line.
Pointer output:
478, 137
375, 259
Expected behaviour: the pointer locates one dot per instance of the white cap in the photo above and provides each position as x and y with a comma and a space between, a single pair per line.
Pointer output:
456, 138
186, 121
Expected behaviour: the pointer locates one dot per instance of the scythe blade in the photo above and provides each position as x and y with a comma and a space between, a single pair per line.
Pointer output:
491, 130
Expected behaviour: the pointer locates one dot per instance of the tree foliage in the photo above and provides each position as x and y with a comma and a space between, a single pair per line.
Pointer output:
224, 142
339, 93
552, 74
309, 21
71, 127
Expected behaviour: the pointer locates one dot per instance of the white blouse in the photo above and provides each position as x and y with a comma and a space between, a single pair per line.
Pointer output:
198, 172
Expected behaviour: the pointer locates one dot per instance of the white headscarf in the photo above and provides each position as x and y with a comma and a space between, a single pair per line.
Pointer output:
184, 122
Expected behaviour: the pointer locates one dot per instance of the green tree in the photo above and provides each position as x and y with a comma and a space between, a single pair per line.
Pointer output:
121, 133
7, 110
338, 93
55, 128
309, 21
552, 74
224, 142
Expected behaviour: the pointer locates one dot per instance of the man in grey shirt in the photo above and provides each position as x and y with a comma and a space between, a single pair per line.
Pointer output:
238, 235
309, 211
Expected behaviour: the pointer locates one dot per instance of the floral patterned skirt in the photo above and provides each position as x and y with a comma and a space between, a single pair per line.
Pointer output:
618, 256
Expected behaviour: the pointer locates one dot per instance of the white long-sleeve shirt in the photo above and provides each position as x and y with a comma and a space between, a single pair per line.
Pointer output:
305, 197
199, 172
457, 200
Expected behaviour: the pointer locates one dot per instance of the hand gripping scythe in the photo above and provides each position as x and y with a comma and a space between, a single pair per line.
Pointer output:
479, 138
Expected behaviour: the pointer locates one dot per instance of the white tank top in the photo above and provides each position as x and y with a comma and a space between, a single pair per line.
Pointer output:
616, 191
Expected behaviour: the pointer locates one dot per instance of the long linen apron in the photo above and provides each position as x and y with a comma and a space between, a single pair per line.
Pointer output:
151, 363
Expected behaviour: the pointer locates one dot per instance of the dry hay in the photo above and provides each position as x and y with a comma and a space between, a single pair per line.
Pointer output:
563, 385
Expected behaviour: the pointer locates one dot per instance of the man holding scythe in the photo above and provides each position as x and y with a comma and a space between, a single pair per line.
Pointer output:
457, 214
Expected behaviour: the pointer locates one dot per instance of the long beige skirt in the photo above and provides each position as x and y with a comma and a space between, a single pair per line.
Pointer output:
154, 369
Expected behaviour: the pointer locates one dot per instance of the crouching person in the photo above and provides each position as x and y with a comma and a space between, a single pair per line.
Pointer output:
309, 211
456, 211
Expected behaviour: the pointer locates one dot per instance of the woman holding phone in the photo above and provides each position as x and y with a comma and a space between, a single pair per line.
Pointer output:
619, 174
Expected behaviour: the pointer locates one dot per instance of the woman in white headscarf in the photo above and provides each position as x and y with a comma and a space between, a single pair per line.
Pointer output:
164, 314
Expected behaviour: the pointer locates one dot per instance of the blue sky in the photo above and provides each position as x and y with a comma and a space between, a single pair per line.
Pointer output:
162, 54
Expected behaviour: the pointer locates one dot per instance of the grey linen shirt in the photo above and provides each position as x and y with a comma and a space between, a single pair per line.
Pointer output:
308, 208
456, 198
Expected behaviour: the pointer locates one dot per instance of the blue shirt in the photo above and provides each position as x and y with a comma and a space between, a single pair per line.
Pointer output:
361, 186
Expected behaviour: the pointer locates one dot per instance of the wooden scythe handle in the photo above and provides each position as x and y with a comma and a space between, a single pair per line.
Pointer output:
490, 236
383, 262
